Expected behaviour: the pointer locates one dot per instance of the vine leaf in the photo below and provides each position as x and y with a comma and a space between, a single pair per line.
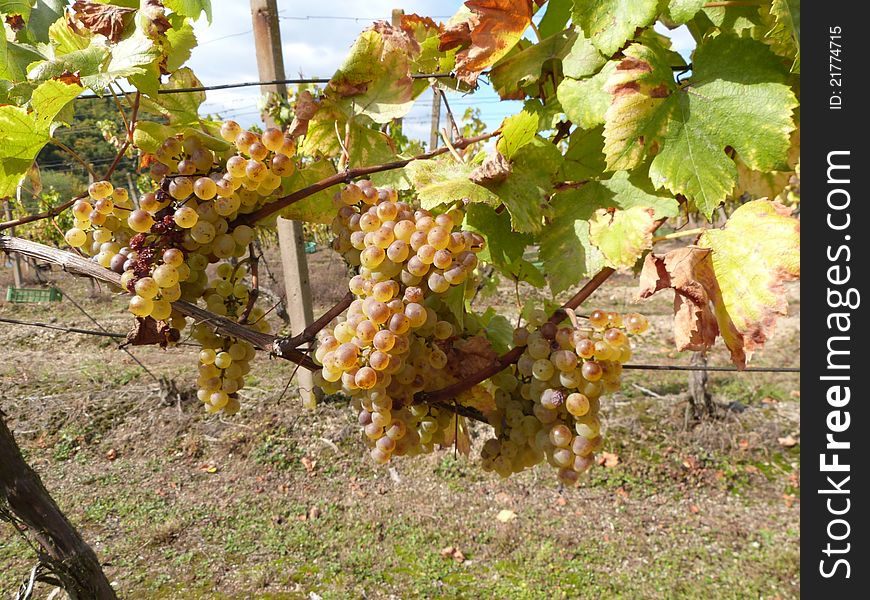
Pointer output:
567, 253
376, 75
504, 247
190, 8
730, 283
103, 19
517, 131
516, 70
738, 98
317, 208
25, 132
443, 181
586, 100
610, 23
682, 11
622, 235
485, 31
303, 111
494, 169
180, 109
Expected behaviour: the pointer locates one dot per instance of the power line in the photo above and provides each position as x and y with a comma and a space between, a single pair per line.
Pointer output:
228, 86
628, 366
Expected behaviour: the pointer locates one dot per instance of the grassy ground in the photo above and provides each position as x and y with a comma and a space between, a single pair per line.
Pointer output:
279, 502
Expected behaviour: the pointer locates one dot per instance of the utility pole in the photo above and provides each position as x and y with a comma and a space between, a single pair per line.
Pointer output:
270, 64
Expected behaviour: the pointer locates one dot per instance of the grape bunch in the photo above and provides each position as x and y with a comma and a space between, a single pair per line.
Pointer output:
547, 404
162, 248
395, 338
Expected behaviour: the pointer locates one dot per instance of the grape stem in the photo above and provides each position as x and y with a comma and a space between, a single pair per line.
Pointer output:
310, 332
254, 261
347, 175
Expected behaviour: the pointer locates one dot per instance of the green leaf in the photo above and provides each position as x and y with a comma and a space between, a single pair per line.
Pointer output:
586, 100
25, 132
445, 181
375, 77
454, 300
610, 23
88, 62
584, 158
317, 208
737, 98
583, 59
148, 135
622, 236
190, 8
181, 108
555, 17
504, 247
131, 56
14, 60
181, 40
524, 192
64, 40
43, 15
786, 31
498, 330
566, 250
49, 99
682, 11
517, 131
519, 69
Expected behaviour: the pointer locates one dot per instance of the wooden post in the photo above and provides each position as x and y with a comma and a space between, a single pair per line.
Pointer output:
396, 22
436, 119
17, 279
61, 546
270, 64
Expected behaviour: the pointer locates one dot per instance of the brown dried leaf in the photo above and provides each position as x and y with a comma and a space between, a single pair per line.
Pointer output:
454, 553
15, 22
147, 331
494, 169
305, 108
608, 459
104, 19
787, 442
309, 464
689, 272
505, 515
70, 77
493, 28
469, 356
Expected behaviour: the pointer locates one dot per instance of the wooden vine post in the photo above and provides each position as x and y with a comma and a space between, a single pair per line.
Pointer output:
270, 64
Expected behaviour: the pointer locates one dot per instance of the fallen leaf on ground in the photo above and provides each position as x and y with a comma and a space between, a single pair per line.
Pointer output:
505, 515
787, 441
454, 553
309, 464
608, 459
112, 454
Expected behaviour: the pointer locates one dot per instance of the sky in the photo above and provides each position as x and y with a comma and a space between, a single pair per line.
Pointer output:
315, 39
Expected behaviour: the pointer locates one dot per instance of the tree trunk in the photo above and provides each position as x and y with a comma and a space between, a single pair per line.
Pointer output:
699, 396
73, 562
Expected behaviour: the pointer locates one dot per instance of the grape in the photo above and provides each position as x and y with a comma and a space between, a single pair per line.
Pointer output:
141, 307
76, 237
140, 221
147, 287
577, 404
204, 188
100, 189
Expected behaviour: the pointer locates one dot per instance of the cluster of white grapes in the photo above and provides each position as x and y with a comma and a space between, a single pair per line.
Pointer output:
547, 404
395, 338
163, 247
